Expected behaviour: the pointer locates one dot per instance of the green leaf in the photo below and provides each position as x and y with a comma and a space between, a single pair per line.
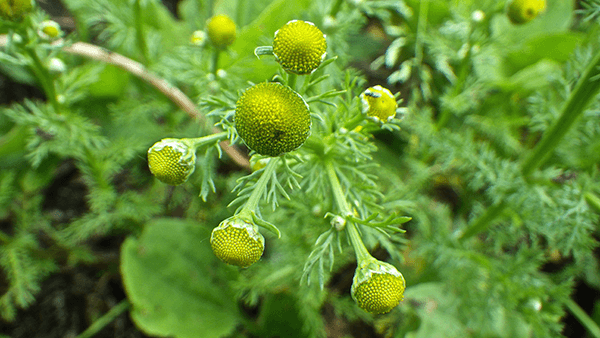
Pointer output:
175, 283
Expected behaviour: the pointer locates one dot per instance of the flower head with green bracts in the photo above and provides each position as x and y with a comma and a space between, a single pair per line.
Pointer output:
272, 119
237, 242
523, 11
15, 9
300, 47
377, 287
378, 104
172, 160
221, 30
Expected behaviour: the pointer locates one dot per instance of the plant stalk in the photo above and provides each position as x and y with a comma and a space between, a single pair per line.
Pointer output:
484, 221
583, 318
585, 90
99, 324
259, 188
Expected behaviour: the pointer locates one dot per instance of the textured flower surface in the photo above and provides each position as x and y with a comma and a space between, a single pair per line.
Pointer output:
378, 103
523, 11
172, 161
221, 30
377, 287
272, 119
299, 46
237, 242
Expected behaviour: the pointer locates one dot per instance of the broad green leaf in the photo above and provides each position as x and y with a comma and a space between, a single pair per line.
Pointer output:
176, 285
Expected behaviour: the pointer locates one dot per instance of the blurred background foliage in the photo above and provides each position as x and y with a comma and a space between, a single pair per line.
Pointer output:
490, 251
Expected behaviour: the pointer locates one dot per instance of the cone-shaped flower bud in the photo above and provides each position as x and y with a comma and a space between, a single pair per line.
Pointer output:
272, 119
299, 47
378, 287
378, 104
237, 242
172, 160
523, 11
14, 9
221, 30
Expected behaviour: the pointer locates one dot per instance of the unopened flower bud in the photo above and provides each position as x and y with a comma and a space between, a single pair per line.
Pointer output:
300, 47
49, 30
237, 242
172, 160
377, 287
221, 31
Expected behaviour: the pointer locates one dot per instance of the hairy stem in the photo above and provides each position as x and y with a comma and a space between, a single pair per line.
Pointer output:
208, 139
259, 188
359, 247
585, 90
105, 320
583, 318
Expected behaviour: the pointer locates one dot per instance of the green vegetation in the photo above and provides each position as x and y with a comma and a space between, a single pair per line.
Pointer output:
423, 168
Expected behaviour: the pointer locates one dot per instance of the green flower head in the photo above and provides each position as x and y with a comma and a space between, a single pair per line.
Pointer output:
300, 47
272, 119
523, 11
378, 104
172, 160
237, 242
15, 9
378, 287
221, 30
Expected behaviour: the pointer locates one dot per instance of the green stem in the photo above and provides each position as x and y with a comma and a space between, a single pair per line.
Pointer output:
336, 188
338, 194
291, 80
583, 318
336, 7
208, 139
592, 200
484, 221
259, 189
139, 31
215, 61
421, 27
585, 90
45, 78
105, 320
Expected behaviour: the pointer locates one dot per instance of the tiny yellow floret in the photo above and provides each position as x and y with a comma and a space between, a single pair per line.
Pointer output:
172, 161
272, 119
221, 31
379, 104
523, 11
299, 46
378, 287
237, 242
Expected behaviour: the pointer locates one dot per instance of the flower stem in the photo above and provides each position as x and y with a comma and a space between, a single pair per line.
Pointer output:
291, 80
208, 139
484, 221
593, 201
44, 77
585, 90
338, 194
215, 61
139, 31
259, 188
105, 320
583, 318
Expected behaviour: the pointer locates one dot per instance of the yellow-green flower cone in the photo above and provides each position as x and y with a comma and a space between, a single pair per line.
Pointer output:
237, 242
378, 287
523, 11
221, 30
299, 46
272, 119
172, 161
